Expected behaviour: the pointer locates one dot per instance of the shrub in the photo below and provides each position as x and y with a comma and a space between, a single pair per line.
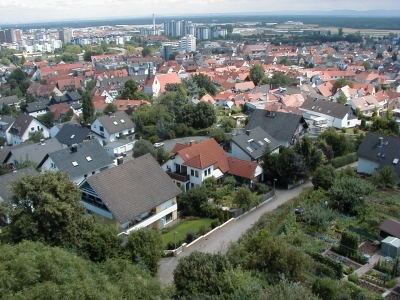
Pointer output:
202, 230
353, 278
356, 130
190, 237
344, 160
391, 283
215, 224
261, 188
343, 129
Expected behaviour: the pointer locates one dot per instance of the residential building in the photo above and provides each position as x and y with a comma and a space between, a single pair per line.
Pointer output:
285, 128
377, 151
10, 178
131, 196
187, 44
79, 161
24, 127
157, 84
5, 124
251, 145
191, 164
71, 134
36, 109
65, 35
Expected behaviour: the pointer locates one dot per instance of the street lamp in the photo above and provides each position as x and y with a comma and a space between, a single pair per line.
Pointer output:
175, 233
274, 183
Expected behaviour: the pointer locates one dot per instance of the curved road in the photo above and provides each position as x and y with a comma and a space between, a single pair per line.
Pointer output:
220, 241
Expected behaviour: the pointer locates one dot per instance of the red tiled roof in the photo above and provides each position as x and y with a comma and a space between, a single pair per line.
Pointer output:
200, 162
178, 147
242, 168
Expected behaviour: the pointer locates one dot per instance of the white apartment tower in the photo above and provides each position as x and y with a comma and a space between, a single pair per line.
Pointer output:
187, 44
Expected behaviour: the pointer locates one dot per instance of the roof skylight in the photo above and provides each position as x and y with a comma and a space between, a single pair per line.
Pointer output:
88, 158
74, 163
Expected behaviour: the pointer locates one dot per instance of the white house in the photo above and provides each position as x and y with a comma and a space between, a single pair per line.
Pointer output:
5, 124
24, 127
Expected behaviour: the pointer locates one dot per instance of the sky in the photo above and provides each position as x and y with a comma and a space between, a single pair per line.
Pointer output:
27, 11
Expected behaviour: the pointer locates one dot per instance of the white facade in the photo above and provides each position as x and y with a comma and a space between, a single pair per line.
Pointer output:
187, 44
331, 120
34, 127
98, 128
366, 166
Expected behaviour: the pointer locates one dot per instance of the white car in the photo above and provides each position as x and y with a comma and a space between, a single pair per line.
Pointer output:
157, 145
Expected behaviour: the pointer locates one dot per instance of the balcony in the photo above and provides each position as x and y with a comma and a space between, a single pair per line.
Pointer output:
182, 177
150, 220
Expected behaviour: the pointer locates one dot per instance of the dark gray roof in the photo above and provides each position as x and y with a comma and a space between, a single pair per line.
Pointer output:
281, 126
35, 106
9, 100
327, 107
72, 134
119, 82
369, 150
21, 124
63, 159
73, 96
108, 122
255, 141
391, 227
5, 151
59, 99
35, 152
9, 178
5, 123
131, 189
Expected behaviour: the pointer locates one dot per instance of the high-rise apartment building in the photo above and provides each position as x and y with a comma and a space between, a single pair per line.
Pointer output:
65, 35
2, 36
187, 44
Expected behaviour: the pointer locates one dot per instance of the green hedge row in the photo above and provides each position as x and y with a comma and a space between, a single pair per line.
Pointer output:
344, 160
336, 266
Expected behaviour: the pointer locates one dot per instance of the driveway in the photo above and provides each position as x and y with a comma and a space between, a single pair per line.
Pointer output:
220, 241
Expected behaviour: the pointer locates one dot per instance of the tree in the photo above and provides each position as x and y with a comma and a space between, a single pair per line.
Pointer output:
324, 288
200, 273
90, 84
379, 55
201, 115
348, 192
219, 135
385, 177
288, 290
110, 108
366, 65
146, 52
5, 110
193, 200
130, 88
144, 246
142, 147
204, 81
394, 57
48, 209
342, 99
280, 79
257, 73
339, 144
47, 119
244, 198
323, 177
87, 107
341, 82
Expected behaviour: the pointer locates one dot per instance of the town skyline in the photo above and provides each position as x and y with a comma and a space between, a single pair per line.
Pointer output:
20, 11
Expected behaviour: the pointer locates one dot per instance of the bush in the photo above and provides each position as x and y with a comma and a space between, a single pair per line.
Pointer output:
343, 129
261, 188
391, 283
215, 224
202, 230
190, 237
353, 278
356, 130
344, 160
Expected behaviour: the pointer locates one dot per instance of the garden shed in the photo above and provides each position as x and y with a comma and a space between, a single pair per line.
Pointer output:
390, 246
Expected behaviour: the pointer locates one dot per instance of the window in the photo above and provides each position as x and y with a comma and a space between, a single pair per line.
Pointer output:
168, 218
94, 172
101, 128
192, 172
52, 165
196, 173
33, 128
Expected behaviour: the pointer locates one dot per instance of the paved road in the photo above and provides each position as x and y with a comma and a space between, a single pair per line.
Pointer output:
221, 239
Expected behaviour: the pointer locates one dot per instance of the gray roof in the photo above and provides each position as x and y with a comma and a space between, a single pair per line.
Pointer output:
391, 227
327, 107
370, 150
63, 159
72, 134
131, 189
281, 126
5, 151
9, 100
5, 123
9, 178
119, 82
255, 141
35, 106
108, 122
21, 124
35, 152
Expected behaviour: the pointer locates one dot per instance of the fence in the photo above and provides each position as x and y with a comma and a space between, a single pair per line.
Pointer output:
234, 213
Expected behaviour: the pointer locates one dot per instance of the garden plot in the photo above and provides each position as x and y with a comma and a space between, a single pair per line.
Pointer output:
344, 260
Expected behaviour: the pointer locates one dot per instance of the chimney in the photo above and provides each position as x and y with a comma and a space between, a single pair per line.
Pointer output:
192, 142
380, 144
248, 132
74, 148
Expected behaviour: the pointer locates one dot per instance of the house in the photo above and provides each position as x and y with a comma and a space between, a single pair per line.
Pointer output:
115, 126
251, 145
390, 227
32, 152
68, 98
36, 109
335, 114
10, 178
156, 85
59, 112
5, 124
70, 134
24, 127
10, 101
191, 164
43, 91
377, 151
131, 196
366, 104
79, 161
285, 128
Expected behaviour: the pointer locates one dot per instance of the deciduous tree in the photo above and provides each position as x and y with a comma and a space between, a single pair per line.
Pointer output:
257, 73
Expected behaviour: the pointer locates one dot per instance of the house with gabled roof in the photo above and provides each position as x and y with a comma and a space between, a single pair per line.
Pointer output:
24, 127
114, 126
286, 128
43, 91
36, 109
79, 161
191, 164
157, 84
134, 195
71, 134
377, 151
5, 124
251, 145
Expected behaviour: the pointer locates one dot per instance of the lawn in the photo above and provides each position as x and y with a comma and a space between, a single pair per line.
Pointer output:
185, 226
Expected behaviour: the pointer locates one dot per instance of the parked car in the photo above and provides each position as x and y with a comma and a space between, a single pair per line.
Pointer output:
158, 145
